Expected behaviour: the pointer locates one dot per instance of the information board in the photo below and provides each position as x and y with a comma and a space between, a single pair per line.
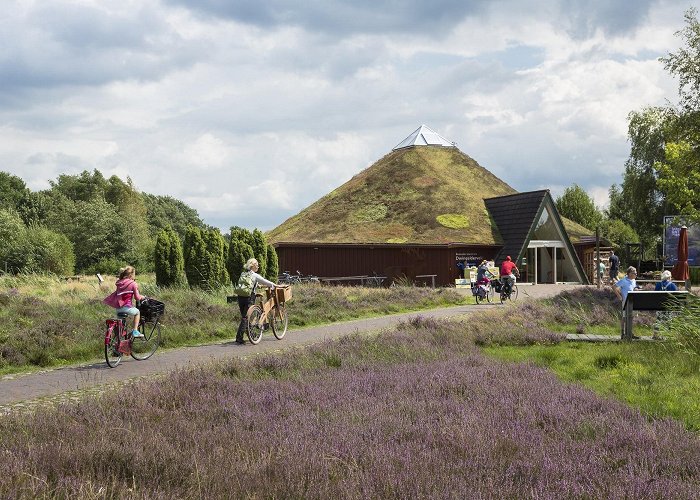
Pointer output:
671, 232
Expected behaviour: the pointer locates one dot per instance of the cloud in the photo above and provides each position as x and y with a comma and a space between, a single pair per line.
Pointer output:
234, 106
341, 17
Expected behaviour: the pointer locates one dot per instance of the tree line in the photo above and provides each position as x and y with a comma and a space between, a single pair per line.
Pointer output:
88, 223
662, 173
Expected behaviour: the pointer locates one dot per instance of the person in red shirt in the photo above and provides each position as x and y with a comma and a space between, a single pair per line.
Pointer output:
508, 272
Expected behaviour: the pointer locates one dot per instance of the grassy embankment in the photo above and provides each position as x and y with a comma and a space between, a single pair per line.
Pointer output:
416, 412
47, 322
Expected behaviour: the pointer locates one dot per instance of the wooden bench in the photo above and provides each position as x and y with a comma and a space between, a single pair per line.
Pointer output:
646, 301
431, 276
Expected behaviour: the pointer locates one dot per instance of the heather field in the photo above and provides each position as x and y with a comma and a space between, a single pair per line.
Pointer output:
418, 412
46, 322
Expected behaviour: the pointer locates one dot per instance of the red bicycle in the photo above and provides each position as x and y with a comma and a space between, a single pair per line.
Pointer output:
120, 342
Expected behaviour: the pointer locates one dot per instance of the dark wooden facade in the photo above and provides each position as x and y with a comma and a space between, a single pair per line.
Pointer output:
390, 260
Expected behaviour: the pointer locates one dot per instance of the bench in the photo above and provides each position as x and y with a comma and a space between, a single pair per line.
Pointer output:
646, 301
431, 276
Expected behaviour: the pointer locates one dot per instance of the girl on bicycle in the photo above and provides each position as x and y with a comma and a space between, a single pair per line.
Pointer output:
122, 298
251, 277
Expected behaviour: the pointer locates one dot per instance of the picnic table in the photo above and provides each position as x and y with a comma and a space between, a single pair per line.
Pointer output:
646, 301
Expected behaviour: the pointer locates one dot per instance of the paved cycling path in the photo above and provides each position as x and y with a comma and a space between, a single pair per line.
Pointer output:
27, 387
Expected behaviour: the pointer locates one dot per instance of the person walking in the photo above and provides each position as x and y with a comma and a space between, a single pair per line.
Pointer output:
601, 271
245, 290
614, 266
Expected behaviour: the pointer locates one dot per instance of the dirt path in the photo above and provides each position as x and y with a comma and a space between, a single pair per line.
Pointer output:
16, 389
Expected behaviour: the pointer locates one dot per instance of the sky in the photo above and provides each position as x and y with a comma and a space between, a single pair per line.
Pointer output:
249, 111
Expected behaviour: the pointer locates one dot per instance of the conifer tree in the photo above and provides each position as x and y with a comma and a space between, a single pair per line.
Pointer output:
260, 250
168, 258
273, 268
238, 254
216, 261
196, 261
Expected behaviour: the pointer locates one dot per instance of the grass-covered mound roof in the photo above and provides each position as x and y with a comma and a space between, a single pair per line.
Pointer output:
422, 195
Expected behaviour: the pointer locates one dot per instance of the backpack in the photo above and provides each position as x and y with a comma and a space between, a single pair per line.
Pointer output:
245, 285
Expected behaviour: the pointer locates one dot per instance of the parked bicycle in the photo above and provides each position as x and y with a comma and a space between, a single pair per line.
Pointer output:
272, 311
375, 280
483, 292
286, 278
118, 338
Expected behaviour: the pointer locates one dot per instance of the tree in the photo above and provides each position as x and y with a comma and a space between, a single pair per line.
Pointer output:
238, 254
13, 244
260, 250
165, 211
195, 255
679, 169
12, 190
684, 64
273, 268
49, 251
575, 204
168, 259
34, 248
216, 258
679, 176
619, 233
83, 187
640, 202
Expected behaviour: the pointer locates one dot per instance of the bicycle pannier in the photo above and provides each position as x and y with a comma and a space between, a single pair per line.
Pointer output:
245, 284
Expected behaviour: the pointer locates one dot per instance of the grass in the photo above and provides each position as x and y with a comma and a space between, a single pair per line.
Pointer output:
46, 322
417, 412
414, 195
661, 382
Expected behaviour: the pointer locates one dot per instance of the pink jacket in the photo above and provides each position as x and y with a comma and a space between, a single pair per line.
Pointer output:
126, 290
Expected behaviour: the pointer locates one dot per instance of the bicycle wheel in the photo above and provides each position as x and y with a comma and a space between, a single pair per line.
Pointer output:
144, 347
279, 321
478, 297
514, 293
255, 326
112, 354
489, 294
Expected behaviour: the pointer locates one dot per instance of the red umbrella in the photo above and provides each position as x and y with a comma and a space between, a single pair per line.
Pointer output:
680, 269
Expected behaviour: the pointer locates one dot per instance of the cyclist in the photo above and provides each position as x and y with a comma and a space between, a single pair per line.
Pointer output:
483, 275
245, 291
122, 299
508, 273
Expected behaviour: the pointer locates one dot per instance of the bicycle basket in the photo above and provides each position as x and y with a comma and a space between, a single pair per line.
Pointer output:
283, 294
151, 309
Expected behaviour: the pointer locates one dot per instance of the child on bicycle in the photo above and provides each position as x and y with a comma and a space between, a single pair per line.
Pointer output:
251, 278
122, 298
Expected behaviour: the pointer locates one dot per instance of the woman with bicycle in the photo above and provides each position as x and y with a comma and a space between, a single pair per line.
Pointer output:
245, 291
122, 299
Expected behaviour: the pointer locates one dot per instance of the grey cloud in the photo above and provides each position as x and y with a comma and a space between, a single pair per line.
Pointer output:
65, 45
580, 18
613, 17
341, 16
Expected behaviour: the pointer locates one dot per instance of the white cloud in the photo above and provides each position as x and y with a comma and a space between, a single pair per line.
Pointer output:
212, 106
